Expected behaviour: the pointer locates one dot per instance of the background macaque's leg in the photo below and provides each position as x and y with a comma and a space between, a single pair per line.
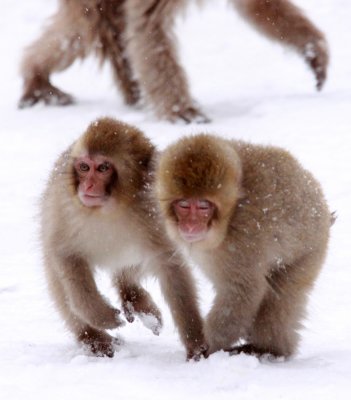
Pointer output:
154, 58
113, 47
66, 38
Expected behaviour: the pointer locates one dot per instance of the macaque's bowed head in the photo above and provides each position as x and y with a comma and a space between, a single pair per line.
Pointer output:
110, 160
198, 183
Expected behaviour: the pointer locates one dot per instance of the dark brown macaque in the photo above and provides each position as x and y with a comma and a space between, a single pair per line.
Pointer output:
135, 36
98, 211
257, 224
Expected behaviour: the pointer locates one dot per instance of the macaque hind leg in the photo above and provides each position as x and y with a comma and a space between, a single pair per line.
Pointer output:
234, 308
276, 326
113, 43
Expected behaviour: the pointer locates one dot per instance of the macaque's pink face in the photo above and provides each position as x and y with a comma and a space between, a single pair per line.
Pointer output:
193, 218
95, 175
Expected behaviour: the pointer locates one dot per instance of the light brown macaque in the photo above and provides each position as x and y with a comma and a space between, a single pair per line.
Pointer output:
257, 224
136, 37
98, 211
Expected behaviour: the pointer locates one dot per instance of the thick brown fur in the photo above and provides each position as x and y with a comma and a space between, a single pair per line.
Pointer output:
136, 37
124, 237
265, 246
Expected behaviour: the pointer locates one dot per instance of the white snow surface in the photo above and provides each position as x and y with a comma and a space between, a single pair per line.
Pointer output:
253, 90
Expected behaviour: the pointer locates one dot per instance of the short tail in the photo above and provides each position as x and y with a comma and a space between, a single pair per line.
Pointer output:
333, 218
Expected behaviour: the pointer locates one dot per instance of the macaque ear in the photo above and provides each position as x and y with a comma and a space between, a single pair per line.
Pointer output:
145, 161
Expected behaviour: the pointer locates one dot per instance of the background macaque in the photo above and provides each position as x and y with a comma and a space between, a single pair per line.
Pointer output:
135, 36
257, 224
97, 211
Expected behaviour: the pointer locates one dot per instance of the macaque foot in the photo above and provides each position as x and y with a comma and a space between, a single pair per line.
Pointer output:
188, 115
316, 56
41, 90
248, 349
252, 350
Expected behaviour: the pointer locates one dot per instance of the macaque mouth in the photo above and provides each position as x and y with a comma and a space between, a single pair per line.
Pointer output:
92, 200
192, 237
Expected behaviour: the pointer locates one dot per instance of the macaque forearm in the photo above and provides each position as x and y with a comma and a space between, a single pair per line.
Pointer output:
84, 297
177, 295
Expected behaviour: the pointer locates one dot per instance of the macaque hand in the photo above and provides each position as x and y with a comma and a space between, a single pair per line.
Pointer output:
108, 319
152, 322
195, 353
316, 56
151, 319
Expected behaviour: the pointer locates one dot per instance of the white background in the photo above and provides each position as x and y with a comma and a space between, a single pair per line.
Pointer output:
254, 90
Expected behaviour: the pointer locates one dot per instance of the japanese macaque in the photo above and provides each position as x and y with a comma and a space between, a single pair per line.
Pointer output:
257, 224
97, 211
135, 36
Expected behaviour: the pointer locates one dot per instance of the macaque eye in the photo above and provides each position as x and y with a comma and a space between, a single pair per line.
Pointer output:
84, 167
204, 205
183, 204
104, 167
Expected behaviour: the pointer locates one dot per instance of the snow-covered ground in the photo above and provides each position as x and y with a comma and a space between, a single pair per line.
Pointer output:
254, 90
